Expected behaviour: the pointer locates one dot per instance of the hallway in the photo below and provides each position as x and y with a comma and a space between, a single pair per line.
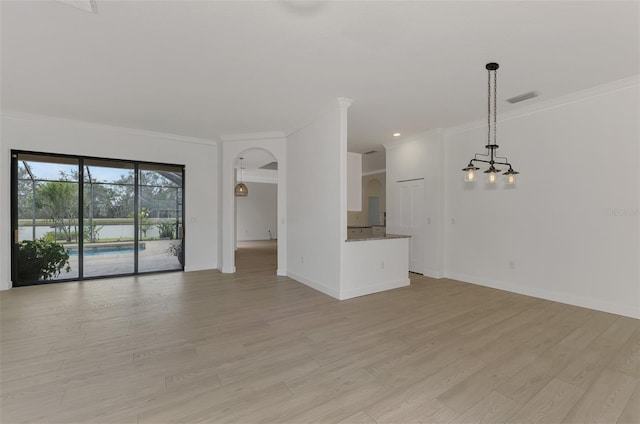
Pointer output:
257, 256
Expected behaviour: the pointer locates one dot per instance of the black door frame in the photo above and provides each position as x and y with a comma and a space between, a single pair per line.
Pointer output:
14, 239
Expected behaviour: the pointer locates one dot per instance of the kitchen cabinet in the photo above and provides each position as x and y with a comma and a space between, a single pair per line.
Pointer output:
359, 231
378, 230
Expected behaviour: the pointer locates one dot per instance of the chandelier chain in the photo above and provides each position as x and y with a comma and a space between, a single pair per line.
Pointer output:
488, 108
495, 106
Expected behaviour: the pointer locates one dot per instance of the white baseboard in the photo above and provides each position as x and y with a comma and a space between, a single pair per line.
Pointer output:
581, 301
314, 285
432, 273
348, 294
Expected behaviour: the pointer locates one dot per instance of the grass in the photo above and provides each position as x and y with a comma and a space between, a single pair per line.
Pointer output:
96, 221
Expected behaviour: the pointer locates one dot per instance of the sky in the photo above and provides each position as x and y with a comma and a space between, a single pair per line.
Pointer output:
51, 171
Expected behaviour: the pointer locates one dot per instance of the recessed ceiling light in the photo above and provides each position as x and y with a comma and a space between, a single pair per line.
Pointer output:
397, 134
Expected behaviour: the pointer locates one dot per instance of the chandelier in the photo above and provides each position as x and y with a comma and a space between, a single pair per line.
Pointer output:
241, 189
491, 156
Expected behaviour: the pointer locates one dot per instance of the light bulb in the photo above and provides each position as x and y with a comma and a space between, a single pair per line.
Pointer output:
511, 179
470, 175
491, 177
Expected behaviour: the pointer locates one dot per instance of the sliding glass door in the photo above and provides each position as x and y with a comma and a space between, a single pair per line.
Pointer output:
45, 209
160, 212
108, 218
76, 217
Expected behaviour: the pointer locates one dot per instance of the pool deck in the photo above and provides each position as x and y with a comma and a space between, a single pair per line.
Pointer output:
154, 257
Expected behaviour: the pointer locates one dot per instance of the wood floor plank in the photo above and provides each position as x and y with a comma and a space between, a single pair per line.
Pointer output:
631, 412
621, 329
399, 404
550, 405
585, 366
358, 418
627, 360
467, 393
589, 331
605, 399
493, 408
253, 347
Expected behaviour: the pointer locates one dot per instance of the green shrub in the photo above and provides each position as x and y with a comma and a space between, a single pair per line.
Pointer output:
177, 249
41, 260
59, 235
92, 232
166, 229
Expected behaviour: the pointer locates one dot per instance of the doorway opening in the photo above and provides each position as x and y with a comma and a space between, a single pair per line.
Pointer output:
256, 215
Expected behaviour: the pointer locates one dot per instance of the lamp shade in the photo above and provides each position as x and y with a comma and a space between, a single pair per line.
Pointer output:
241, 190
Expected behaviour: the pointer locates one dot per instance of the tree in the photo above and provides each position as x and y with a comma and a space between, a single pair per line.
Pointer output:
58, 200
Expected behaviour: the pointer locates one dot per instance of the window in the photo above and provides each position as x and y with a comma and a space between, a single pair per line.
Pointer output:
77, 217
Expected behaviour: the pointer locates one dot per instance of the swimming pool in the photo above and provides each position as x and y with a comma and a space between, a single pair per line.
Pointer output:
107, 249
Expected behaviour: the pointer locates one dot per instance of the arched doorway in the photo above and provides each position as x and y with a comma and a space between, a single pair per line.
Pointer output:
232, 150
256, 214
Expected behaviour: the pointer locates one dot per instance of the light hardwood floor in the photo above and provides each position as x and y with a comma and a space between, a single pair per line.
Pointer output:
257, 348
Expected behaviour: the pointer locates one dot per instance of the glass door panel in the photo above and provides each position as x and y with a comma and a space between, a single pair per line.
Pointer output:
160, 218
108, 212
47, 218
75, 218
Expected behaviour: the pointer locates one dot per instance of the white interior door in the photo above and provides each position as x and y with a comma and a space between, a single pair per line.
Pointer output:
410, 205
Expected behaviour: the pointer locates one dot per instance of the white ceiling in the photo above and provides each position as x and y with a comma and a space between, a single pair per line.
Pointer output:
212, 68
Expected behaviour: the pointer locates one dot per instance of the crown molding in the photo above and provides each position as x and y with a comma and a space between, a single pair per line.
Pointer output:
549, 104
267, 135
92, 125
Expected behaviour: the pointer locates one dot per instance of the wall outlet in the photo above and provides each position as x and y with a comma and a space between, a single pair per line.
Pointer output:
301, 259
512, 265
453, 220
381, 264
428, 221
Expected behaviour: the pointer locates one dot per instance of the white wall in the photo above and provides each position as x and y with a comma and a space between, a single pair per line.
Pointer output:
316, 200
373, 266
52, 135
232, 149
374, 162
569, 231
415, 158
258, 212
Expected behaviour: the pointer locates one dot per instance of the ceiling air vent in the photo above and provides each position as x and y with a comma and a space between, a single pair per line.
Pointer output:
523, 97
87, 5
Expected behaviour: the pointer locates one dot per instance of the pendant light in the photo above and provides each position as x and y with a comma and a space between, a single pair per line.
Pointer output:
490, 157
241, 189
